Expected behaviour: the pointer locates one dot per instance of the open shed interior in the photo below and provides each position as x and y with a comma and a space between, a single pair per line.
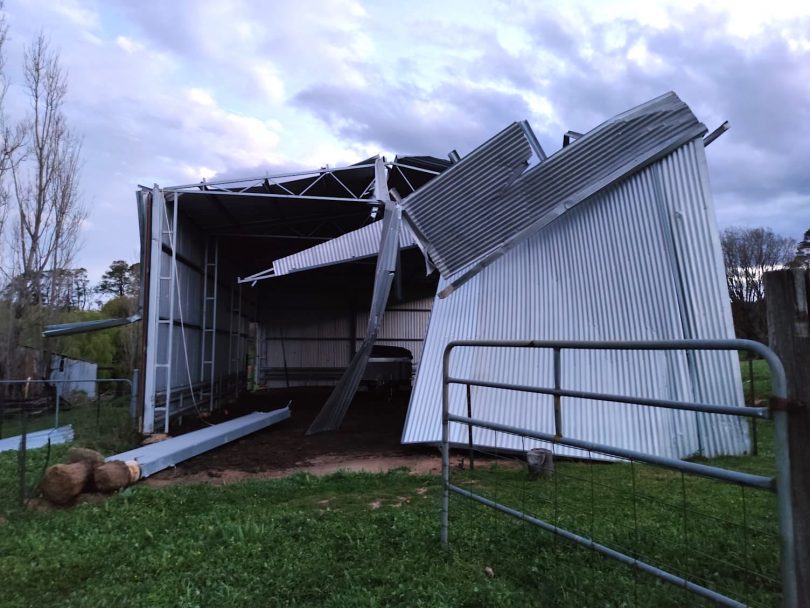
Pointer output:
209, 336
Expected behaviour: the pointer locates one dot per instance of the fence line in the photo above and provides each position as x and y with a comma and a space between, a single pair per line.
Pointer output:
24, 415
780, 485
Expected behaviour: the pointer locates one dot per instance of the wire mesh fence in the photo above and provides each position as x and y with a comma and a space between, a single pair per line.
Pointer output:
39, 419
688, 539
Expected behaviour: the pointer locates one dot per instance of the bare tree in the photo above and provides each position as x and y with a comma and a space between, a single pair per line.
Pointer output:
11, 142
11, 137
45, 175
42, 157
748, 254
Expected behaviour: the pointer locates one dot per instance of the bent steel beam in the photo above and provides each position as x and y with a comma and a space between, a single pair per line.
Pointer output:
334, 410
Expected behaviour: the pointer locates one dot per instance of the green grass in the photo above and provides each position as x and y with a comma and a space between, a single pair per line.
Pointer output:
307, 541
761, 379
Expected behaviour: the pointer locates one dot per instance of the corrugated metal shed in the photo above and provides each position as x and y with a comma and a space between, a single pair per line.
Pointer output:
82, 373
638, 260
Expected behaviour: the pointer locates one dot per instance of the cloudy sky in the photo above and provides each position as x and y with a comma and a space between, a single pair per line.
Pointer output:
170, 92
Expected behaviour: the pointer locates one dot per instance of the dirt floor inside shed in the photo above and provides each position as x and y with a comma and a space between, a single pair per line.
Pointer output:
368, 440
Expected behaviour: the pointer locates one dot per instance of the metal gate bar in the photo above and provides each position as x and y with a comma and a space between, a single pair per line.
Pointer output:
781, 485
604, 550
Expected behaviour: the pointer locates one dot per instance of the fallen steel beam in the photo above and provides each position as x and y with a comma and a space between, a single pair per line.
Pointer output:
158, 456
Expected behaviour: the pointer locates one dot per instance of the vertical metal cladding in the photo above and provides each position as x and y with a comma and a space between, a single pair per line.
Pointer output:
322, 338
482, 203
637, 261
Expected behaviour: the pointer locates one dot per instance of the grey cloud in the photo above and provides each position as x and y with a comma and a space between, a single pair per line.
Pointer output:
392, 118
762, 88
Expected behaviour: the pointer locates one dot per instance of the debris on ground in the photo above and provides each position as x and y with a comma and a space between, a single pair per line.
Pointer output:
81, 478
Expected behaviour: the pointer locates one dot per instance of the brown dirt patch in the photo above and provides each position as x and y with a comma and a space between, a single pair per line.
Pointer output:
369, 440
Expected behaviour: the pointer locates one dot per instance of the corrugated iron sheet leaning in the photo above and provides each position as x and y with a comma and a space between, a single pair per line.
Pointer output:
611, 238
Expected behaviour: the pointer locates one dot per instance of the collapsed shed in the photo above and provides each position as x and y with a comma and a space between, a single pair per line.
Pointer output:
291, 280
611, 238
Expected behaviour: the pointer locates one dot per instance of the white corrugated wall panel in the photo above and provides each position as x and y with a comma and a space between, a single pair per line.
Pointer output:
322, 338
613, 268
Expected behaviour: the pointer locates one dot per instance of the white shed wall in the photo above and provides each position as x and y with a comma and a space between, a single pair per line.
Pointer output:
325, 338
185, 361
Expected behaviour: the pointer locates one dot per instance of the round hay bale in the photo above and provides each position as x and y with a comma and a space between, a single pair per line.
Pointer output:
85, 455
64, 482
112, 476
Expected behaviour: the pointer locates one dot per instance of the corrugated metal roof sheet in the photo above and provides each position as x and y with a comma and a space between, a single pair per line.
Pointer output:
38, 439
452, 201
355, 245
639, 260
479, 206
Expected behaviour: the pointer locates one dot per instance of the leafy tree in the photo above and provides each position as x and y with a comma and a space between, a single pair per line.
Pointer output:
748, 253
120, 280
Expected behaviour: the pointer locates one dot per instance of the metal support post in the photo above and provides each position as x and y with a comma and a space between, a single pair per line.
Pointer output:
58, 389
470, 429
22, 452
133, 395
171, 231
445, 449
151, 328
753, 394
557, 397
213, 329
788, 296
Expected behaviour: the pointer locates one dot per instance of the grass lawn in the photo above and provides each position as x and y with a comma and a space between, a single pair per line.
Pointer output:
372, 540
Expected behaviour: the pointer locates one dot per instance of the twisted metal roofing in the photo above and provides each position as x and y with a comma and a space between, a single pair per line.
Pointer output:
484, 204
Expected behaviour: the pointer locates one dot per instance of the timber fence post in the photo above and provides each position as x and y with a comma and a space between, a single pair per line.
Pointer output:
787, 295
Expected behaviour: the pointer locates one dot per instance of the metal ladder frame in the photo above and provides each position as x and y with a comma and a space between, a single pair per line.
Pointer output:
161, 226
235, 333
212, 330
